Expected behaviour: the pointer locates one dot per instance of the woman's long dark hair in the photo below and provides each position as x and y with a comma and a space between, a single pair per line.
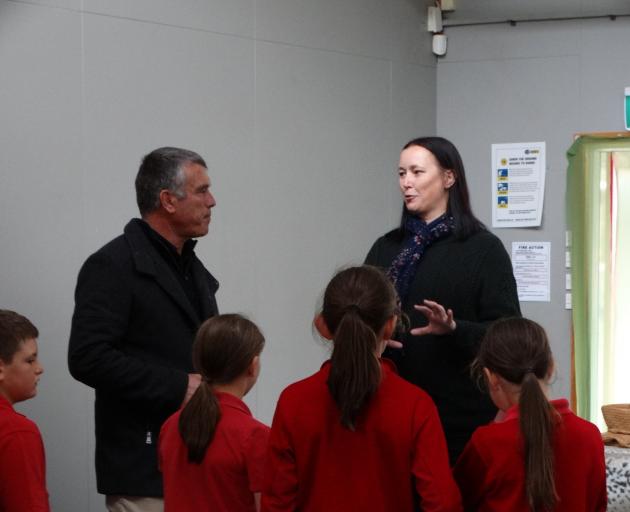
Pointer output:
358, 301
224, 348
517, 349
458, 197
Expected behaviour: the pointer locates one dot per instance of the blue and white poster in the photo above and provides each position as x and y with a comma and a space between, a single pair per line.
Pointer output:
518, 184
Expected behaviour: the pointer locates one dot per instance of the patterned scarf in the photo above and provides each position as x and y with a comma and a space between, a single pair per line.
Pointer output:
419, 235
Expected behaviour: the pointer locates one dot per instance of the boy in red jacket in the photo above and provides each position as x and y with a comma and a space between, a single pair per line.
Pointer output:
22, 461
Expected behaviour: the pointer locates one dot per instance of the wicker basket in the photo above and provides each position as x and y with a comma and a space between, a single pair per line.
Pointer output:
617, 417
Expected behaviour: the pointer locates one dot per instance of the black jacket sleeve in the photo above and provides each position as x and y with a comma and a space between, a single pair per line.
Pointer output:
99, 352
497, 297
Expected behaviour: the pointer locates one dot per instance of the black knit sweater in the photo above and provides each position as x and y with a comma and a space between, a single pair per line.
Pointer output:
474, 278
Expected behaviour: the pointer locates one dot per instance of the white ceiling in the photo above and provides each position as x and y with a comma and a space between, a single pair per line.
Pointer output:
477, 11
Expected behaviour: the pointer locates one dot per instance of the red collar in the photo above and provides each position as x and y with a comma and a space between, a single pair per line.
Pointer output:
5, 404
561, 405
228, 400
386, 364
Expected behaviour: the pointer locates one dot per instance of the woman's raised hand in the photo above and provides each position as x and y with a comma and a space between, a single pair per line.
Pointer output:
440, 320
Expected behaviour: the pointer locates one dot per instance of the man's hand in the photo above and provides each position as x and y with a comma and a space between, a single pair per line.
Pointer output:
440, 320
194, 379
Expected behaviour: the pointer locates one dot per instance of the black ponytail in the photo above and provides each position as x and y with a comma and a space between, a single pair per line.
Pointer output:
537, 419
517, 349
198, 422
355, 372
224, 348
357, 304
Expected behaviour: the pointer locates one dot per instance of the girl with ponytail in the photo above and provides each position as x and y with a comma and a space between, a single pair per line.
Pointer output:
540, 457
212, 450
355, 436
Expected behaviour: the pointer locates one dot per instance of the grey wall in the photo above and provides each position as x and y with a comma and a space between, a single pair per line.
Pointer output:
533, 82
299, 108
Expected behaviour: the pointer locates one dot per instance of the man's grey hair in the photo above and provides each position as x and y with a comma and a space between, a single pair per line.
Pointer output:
162, 169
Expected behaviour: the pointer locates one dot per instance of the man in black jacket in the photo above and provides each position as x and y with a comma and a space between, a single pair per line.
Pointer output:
138, 303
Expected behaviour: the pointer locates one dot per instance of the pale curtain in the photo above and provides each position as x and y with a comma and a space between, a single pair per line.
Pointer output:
598, 218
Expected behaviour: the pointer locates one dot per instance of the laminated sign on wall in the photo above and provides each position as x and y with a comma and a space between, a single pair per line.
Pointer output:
532, 270
518, 184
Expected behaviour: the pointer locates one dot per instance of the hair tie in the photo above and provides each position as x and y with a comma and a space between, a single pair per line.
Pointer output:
529, 370
352, 307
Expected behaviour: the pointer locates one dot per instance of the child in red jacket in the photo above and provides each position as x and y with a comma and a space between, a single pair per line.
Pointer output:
22, 459
540, 456
355, 436
212, 451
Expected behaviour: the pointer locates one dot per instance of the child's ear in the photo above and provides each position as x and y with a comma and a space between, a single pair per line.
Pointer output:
254, 367
250, 376
389, 327
322, 328
491, 378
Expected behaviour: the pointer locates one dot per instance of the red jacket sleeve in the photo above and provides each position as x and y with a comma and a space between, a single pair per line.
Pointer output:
430, 468
255, 455
281, 482
23, 473
471, 475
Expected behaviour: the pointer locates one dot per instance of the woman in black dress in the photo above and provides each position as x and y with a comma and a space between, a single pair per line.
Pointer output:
453, 277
